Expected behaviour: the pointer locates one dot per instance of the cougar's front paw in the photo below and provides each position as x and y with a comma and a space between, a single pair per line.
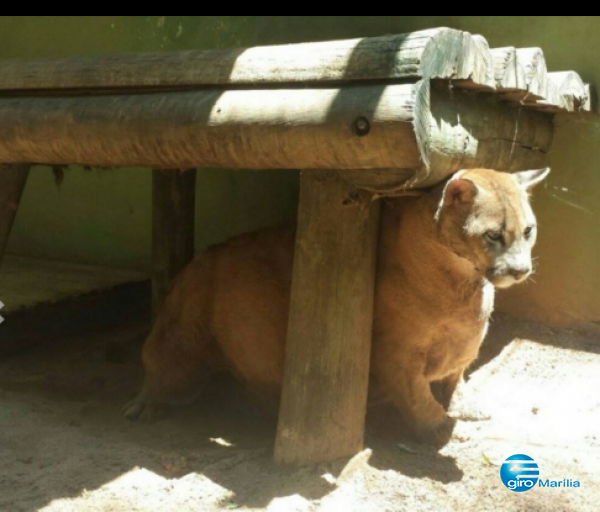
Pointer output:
439, 435
138, 410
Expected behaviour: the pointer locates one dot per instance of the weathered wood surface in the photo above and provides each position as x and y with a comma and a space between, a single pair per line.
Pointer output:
508, 71
522, 75
566, 93
273, 129
324, 396
173, 209
436, 53
533, 62
461, 130
479, 59
405, 126
12, 184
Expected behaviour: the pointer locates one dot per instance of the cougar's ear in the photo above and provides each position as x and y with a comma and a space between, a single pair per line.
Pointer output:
529, 179
459, 190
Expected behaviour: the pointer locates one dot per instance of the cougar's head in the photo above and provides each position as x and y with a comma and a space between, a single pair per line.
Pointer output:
485, 217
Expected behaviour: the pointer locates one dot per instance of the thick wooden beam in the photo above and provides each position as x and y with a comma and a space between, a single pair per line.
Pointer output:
435, 131
436, 53
251, 129
173, 208
328, 346
12, 183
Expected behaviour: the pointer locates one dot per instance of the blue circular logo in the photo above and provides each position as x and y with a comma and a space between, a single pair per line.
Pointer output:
519, 473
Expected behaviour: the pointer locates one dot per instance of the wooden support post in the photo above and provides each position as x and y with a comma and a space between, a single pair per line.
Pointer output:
173, 202
328, 346
12, 183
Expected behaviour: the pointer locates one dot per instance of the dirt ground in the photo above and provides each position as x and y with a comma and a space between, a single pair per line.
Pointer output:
64, 446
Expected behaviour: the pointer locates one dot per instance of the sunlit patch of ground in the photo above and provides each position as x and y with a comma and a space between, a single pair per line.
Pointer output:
64, 446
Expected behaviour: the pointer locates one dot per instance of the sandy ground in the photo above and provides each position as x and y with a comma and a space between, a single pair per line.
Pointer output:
64, 446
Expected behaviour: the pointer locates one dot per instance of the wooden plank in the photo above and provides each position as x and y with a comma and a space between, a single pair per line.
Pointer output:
435, 53
173, 212
328, 346
12, 184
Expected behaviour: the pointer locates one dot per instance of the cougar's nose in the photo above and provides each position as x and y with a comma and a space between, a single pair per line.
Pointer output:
520, 273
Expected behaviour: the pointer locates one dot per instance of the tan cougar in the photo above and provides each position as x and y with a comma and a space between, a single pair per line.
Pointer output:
440, 256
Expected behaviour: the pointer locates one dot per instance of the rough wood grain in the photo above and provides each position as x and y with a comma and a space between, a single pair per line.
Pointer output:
566, 93
478, 58
435, 53
533, 62
458, 130
253, 129
173, 209
508, 72
434, 131
324, 396
12, 184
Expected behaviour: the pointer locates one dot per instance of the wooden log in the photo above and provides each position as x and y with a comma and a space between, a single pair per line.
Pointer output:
12, 184
173, 212
459, 131
257, 129
533, 62
436, 53
435, 131
328, 346
480, 60
566, 93
508, 72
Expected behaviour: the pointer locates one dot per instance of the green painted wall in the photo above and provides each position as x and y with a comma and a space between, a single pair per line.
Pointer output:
104, 217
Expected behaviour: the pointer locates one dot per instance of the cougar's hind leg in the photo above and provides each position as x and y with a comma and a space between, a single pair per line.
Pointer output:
177, 363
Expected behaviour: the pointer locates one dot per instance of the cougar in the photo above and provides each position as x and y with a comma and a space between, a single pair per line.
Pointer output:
440, 256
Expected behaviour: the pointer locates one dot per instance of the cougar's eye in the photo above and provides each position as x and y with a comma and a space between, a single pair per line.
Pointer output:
494, 236
528, 231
